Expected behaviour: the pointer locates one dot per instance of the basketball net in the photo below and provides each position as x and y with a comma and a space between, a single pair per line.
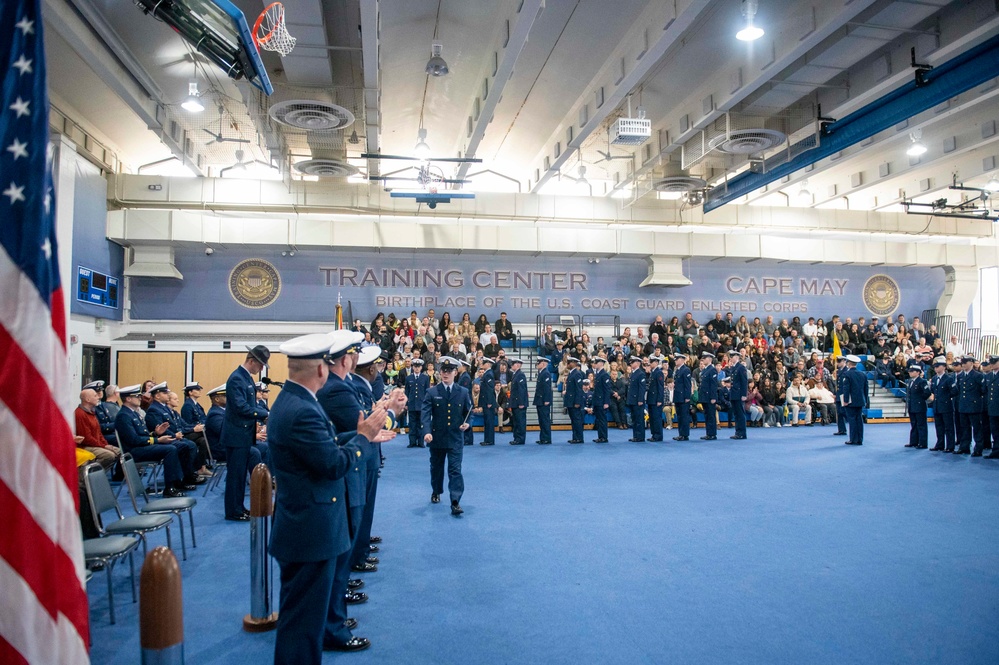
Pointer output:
270, 32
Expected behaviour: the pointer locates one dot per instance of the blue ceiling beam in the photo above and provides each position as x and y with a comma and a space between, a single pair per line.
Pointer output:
929, 88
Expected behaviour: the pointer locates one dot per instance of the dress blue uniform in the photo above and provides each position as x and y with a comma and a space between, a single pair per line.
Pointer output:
543, 402
107, 422
682, 392
601, 400
135, 438
841, 390
737, 394
969, 391
445, 409
487, 401
573, 398
637, 391
417, 386
518, 406
992, 405
239, 431
707, 395
310, 534
339, 402
655, 397
465, 381
855, 400
942, 389
193, 413
916, 393
186, 450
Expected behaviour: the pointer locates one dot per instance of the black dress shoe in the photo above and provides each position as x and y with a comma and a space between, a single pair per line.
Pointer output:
350, 623
172, 493
976, 454
373, 560
238, 518
373, 548
839, 434
737, 437
456, 509
356, 597
468, 444
936, 449
660, 439
709, 438
375, 539
353, 644
186, 487
412, 445
911, 445
681, 438
599, 440
633, 440
435, 498
354, 585
364, 568
575, 440
487, 443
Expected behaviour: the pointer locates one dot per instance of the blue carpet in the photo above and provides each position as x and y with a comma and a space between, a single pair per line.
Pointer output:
787, 548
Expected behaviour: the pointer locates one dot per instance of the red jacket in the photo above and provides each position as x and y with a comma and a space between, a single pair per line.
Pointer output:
88, 427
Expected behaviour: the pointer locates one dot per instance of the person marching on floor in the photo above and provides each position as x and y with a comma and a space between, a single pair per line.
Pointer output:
637, 391
446, 407
854, 399
992, 406
417, 385
518, 403
682, 391
487, 402
656, 397
465, 381
969, 390
707, 395
916, 393
842, 386
573, 398
310, 534
738, 393
942, 401
601, 398
543, 401
239, 428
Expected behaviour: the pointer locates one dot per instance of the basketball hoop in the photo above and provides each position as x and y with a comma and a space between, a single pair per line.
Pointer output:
270, 32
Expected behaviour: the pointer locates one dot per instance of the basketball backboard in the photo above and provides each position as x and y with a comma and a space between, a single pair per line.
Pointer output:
218, 30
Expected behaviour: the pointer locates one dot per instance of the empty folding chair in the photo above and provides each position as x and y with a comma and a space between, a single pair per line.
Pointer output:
102, 500
106, 552
218, 473
174, 506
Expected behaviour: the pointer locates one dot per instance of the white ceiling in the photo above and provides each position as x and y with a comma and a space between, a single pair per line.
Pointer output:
678, 60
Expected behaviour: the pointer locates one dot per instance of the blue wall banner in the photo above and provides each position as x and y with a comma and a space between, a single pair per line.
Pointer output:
266, 286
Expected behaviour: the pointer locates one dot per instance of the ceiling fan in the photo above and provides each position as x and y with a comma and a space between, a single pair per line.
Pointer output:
242, 163
219, 138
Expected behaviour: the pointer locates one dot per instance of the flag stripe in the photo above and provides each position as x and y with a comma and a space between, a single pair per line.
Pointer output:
30, 630
25, 393
9, 654
35, 483
44, 566
33, 325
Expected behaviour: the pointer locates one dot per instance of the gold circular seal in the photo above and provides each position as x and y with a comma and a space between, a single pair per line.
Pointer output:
881, 295
254, 283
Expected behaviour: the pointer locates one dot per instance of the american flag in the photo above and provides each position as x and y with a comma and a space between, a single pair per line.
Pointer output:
43, 603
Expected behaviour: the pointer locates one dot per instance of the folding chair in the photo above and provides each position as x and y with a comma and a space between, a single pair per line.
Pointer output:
102, 499
174, 506
154, 471
107, 551
219, 470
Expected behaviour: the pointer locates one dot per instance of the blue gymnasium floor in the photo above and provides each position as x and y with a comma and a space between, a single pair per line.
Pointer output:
787, 548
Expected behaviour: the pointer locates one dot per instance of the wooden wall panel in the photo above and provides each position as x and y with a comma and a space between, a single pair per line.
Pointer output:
137, 366
212, 368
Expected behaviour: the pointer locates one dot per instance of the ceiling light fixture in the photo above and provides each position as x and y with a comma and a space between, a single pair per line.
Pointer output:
992, 185
422, 150
353, 140
804, 194
436, 65
750, 32
917, 148
193, 103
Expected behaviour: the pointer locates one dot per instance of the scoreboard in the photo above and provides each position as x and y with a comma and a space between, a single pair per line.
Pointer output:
97, 288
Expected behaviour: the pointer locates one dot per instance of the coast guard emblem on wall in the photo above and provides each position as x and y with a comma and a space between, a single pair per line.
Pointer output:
254, 283
881, 295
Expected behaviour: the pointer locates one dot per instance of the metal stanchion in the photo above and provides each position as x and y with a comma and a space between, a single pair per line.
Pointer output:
260, 618
161, 610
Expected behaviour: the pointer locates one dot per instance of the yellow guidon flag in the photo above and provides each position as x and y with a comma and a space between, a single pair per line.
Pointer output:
836, 353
